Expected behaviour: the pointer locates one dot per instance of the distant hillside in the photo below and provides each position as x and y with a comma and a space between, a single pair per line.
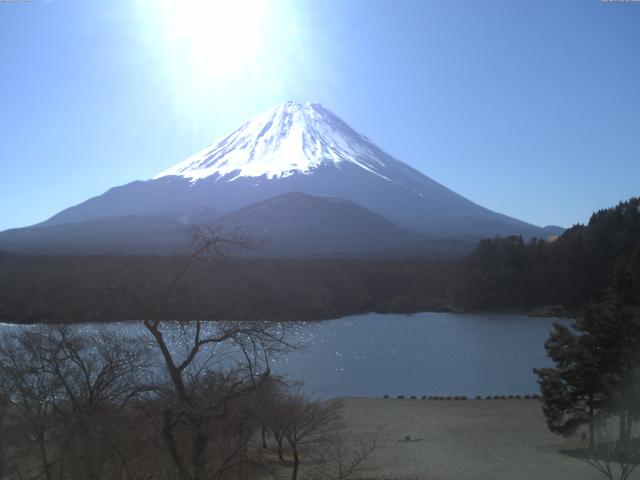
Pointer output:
297, 225
127, 234
509, 272
293, 225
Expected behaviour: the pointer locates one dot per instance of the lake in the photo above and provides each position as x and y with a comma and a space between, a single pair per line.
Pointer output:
418, 354
422, 354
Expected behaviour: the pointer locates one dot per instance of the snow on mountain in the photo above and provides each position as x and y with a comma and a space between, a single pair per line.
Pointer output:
290, 138
298, 148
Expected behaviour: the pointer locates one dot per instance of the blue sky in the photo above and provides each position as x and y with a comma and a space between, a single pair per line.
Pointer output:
529, 108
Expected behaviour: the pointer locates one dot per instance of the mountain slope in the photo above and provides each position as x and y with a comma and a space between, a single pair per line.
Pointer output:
304, 148
300, 225
297, 215
125, 234
293, 225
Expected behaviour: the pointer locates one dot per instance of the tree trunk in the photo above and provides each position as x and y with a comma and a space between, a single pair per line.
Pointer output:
44, 458
172, 369
199, 460
264, 437
623, 426
296, 462
591, 423
280, 455
167, 432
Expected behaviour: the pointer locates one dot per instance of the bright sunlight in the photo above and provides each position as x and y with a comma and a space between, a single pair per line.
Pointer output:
208, 49
216, 37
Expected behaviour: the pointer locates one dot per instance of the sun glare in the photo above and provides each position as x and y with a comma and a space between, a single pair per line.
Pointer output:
217, 37
209, 51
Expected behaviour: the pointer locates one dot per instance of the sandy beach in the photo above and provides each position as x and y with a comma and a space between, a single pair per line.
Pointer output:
464, 440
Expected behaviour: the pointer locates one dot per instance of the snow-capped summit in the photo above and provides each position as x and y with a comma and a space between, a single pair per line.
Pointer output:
290, 138
296, 148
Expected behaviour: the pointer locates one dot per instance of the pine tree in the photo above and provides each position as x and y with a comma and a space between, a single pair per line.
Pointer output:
613, 334
597, 370
572, 393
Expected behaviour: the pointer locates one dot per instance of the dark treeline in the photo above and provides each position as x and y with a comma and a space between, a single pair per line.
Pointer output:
501, 274
106, 406
89, 288
505, 273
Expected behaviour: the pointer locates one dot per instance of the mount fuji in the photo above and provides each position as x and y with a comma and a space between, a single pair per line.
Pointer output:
293, 147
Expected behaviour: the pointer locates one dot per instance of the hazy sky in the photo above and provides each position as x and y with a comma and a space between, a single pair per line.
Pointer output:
530, 108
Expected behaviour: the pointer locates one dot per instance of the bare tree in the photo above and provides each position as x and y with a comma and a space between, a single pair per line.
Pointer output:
33, 391
271, 413
299, 426
310, 434
64, 390
614, 458
343, 456
202, 391
4, 434
306, 422
97, 377
97, 406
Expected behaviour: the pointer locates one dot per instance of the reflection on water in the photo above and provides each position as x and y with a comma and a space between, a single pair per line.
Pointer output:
418, 354
422, 354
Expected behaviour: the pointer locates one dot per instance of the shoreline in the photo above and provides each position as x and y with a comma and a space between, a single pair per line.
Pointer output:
538, 312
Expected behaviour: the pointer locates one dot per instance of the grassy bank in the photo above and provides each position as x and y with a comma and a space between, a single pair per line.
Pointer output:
463, 440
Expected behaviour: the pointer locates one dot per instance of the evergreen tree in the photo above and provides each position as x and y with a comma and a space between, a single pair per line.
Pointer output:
597, 370
572, 393
613, 333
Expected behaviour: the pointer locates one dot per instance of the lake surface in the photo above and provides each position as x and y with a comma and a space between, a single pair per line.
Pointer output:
422, 354
419, 354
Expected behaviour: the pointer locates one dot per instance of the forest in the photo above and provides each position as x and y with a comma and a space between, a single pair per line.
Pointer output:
536, 276
575, 268
74, 406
